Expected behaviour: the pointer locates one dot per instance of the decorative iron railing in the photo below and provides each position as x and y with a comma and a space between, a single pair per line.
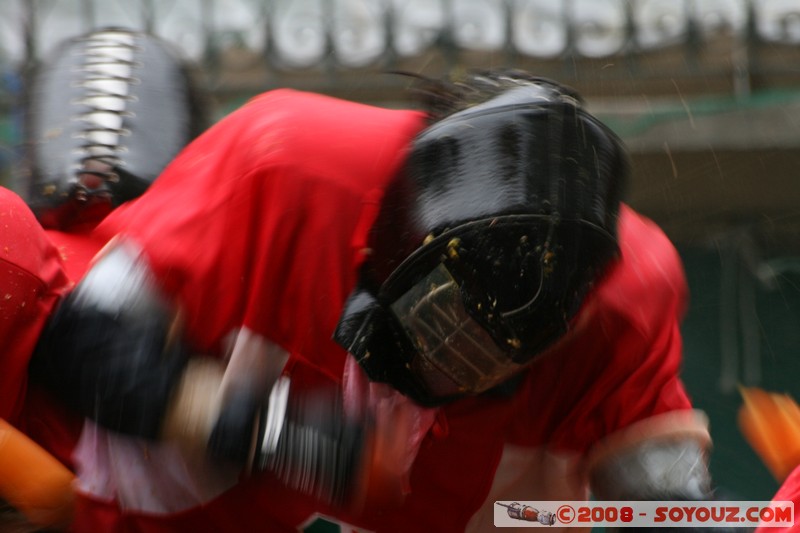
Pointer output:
243, 46
346, 34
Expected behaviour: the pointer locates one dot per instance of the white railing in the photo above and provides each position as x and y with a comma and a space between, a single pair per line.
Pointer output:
355, 33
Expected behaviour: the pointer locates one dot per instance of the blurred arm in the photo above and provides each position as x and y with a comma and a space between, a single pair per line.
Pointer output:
661, 458
108, 352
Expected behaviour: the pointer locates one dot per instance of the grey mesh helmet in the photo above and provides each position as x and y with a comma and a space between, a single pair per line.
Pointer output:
103, 116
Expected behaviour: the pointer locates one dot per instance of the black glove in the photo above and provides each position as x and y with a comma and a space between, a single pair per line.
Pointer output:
302, 437
105, 352
233, 433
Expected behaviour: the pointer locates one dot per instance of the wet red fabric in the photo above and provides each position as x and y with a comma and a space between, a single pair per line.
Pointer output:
77, 249
32, 279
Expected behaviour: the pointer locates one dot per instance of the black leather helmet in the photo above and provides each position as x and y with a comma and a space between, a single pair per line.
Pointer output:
487, 241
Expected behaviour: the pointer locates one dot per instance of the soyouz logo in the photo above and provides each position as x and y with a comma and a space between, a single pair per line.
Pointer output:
728, 514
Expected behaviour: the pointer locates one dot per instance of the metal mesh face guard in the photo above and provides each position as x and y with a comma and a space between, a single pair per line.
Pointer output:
474, 306
456, 355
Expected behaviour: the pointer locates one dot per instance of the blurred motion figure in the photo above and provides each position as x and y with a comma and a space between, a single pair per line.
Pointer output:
328, 312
